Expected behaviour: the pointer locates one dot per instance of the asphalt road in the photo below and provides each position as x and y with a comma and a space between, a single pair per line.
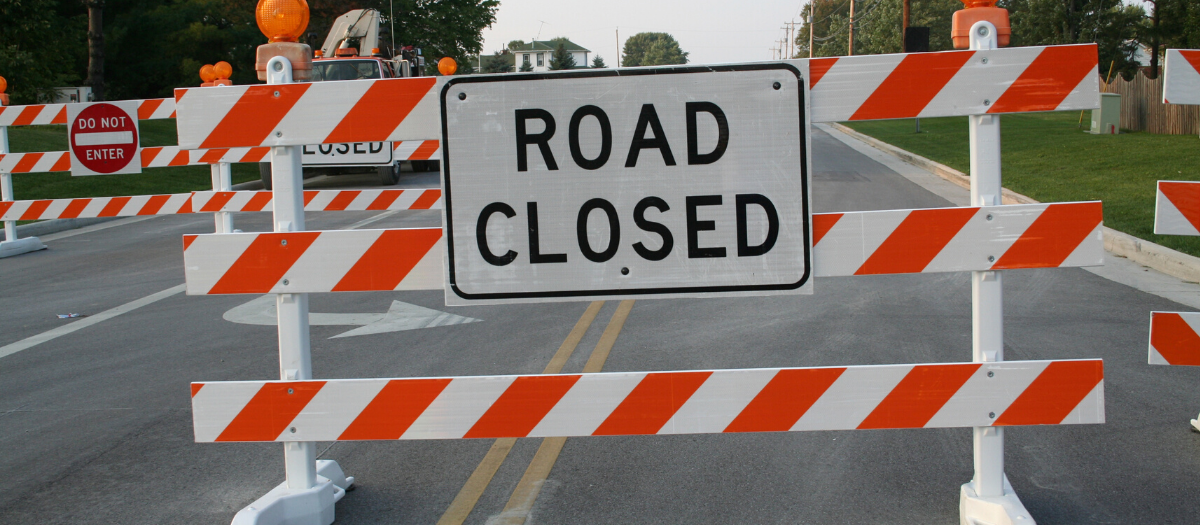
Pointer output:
95, 425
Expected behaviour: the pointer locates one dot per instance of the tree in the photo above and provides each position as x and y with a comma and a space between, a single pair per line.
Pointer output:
514, 45
1111, 25
598, 62
561, 59
525, 67
95, 35
31, 60
1173, 24
498, 62
877, 26
652, 49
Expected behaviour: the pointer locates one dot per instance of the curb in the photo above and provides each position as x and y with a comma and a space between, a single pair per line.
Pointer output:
1174, 263
60, 225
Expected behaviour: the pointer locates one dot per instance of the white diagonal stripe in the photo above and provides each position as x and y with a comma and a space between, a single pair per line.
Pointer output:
458, 407
587, 404
850, 399
216, 405
718, 401
332, 409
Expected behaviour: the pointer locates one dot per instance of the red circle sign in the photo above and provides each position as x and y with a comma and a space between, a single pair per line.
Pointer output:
104, 138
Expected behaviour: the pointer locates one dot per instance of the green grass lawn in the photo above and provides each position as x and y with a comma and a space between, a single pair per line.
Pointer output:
178, 179
1046, 157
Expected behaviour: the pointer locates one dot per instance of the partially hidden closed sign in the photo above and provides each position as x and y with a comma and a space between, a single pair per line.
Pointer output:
626, 183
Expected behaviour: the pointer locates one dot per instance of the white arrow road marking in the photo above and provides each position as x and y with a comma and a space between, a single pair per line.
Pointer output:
400, 316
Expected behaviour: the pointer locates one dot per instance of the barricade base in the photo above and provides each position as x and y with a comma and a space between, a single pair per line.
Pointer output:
284, 506
1001, 510
19, 246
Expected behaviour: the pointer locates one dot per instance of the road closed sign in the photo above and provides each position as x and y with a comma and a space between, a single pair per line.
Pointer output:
103, 138
669, 182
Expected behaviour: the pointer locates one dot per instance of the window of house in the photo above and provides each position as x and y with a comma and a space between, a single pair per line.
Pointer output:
540, 61
526, 58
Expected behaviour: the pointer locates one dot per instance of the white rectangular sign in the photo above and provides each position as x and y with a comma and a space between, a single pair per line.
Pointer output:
674, 181
347, 154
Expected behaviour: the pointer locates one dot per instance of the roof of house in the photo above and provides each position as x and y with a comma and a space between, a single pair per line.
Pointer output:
549, 45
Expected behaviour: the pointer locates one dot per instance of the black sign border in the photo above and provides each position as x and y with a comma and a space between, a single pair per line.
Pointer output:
448, 228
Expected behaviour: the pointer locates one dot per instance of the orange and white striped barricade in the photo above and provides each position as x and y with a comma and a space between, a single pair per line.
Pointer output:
11, 245
982, 83
40, 114
641, 403
216, 202
1173, 339
851, 243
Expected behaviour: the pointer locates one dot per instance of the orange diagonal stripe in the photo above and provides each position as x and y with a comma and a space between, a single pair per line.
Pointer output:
1052, 76
917, 241
254, 115
922, 392
380, 110
909, 88
1174, 339
394, 409
652, 403
785, 399
388, 260
522, 405
264, 262
1054, 394
270, 411
1052, 237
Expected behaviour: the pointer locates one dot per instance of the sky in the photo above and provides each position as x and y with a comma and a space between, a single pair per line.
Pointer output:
710, 31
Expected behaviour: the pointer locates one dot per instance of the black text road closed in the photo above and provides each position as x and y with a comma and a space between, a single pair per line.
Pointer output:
626, 183
351, 153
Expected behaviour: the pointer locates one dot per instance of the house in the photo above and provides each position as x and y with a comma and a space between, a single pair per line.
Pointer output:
537, 53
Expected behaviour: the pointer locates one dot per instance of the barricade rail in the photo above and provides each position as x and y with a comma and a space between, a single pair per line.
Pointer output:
164, 156
216, 202
631, 403
954, 83
850, 243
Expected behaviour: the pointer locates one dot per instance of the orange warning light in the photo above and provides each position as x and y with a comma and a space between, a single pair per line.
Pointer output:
3, 95
222, 69
207, 74
447, 66
979, 11
3, 85
282, 20
318, 53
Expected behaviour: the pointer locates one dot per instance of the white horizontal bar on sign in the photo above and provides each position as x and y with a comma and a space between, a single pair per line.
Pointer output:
952, 83
641, 403
103, 138
958, 239
1177, 208
40, 114
386, 110
37, 210
322, 200
311, 262
1181, 76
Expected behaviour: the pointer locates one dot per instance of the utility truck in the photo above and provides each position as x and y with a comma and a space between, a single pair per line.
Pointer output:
352, 52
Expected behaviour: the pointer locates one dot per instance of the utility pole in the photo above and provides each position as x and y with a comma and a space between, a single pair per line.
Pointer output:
851, 46
618, 33
904, 29
786, 34
810, 28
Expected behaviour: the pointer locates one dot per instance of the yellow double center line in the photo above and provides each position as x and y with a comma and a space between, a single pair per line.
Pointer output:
523, 497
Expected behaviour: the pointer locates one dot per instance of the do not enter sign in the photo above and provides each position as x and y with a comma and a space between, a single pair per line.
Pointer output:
104, 138
667, 182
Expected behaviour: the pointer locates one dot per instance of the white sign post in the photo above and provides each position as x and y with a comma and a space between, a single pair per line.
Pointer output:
670, 182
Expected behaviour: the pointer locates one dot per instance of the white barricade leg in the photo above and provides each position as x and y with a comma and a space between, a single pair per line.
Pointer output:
988, 498
11, 245
308, 495
222, 180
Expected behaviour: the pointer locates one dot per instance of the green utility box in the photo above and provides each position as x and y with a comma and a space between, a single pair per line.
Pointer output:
1107, 119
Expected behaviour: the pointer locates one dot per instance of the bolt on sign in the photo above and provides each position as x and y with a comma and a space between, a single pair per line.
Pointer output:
104, 138
671, 182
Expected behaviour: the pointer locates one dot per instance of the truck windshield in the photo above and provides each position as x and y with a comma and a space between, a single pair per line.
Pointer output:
345, 70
